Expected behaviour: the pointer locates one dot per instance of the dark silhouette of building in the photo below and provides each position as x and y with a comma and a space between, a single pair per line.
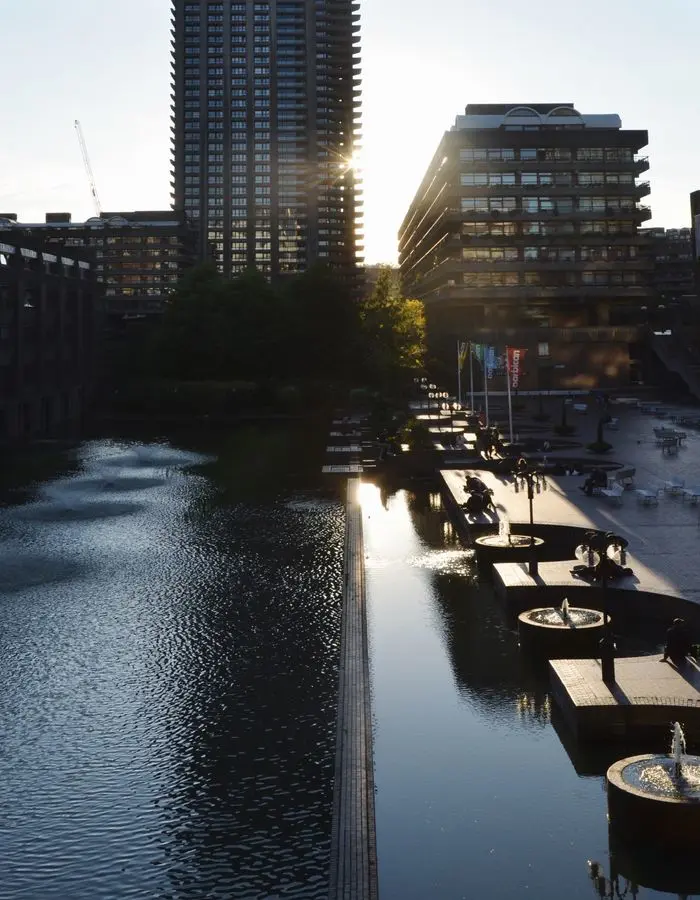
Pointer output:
673, 275
139, 256
265, 128
525, 232
50, 311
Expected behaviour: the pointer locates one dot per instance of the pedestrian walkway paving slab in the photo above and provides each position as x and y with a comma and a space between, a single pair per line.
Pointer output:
664, 540
645, 698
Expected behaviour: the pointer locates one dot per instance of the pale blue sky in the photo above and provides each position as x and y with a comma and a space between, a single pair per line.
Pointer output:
108, 64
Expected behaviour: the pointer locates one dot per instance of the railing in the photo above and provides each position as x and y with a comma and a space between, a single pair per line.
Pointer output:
517, 213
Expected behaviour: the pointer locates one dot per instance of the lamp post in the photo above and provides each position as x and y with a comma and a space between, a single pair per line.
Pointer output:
610, 888
527, 477
604, 553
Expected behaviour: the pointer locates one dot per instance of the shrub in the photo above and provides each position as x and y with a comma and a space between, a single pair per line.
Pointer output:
599, 447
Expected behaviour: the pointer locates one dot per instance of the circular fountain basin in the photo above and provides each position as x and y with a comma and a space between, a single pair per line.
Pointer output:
495, 548
547, 631
648, 803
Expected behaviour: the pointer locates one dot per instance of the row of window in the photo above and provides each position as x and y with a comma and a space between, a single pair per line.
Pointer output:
549, 254
548, 204
489, 179
548, 229
557, 154
551, 279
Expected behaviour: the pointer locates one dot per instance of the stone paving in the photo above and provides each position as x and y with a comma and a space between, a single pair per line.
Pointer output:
353, 869
665, 539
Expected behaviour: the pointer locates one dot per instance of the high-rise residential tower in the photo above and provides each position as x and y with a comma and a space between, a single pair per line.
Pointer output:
525, 232
266, 129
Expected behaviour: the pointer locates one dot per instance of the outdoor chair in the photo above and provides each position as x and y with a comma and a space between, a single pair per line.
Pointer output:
648, 496
614, 493
625, 477
674, 487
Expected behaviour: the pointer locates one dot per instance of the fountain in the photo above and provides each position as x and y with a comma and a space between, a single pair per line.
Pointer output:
656, 797
504, 546
561, 631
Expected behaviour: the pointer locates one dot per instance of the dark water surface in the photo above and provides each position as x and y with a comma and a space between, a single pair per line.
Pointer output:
480, 790
169, 623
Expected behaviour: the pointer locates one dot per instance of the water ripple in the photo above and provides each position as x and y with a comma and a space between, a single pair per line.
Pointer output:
168, 686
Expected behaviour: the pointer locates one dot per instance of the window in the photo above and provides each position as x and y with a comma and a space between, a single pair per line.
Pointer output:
590, 154
589, 178
490, 279
543, 349
621, 154
592, 227
490, 254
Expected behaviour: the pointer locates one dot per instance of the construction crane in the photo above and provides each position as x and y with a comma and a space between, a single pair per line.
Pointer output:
88, 167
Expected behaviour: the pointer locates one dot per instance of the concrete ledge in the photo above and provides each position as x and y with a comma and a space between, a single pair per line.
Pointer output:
646, 697
353, 865
643, 594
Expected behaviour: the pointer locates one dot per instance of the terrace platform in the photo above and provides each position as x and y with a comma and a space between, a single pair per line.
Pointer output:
648, 695
664, 543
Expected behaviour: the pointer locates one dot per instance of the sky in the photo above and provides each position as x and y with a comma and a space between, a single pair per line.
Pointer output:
108, 64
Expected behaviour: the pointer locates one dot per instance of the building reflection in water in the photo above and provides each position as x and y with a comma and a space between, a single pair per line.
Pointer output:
478, 632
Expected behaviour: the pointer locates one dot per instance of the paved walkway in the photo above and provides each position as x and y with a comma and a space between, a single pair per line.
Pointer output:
665, 539
353, 873
646, 697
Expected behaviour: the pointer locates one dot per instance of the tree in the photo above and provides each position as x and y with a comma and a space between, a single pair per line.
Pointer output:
324, 327
394, 327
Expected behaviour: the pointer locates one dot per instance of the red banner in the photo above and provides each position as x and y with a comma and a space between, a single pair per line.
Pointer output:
515, 356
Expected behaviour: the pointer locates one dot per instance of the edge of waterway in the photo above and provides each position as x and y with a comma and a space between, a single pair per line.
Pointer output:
353, 862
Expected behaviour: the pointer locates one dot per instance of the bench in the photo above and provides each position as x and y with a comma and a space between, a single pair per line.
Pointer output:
613, 493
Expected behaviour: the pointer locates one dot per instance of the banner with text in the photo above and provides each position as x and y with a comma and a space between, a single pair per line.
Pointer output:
515, 358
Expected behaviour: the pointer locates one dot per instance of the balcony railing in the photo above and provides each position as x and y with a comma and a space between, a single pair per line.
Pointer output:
514, 214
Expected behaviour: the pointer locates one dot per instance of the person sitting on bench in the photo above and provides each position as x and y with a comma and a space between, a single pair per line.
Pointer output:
678, 643
597, 478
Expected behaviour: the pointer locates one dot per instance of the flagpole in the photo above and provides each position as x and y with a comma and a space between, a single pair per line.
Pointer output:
486, 388
459, 375
510, 404
471, 375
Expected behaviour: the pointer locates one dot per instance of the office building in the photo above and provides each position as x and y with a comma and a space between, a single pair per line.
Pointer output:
673, 275
265, 130
525, 232
50, 311
138, 256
